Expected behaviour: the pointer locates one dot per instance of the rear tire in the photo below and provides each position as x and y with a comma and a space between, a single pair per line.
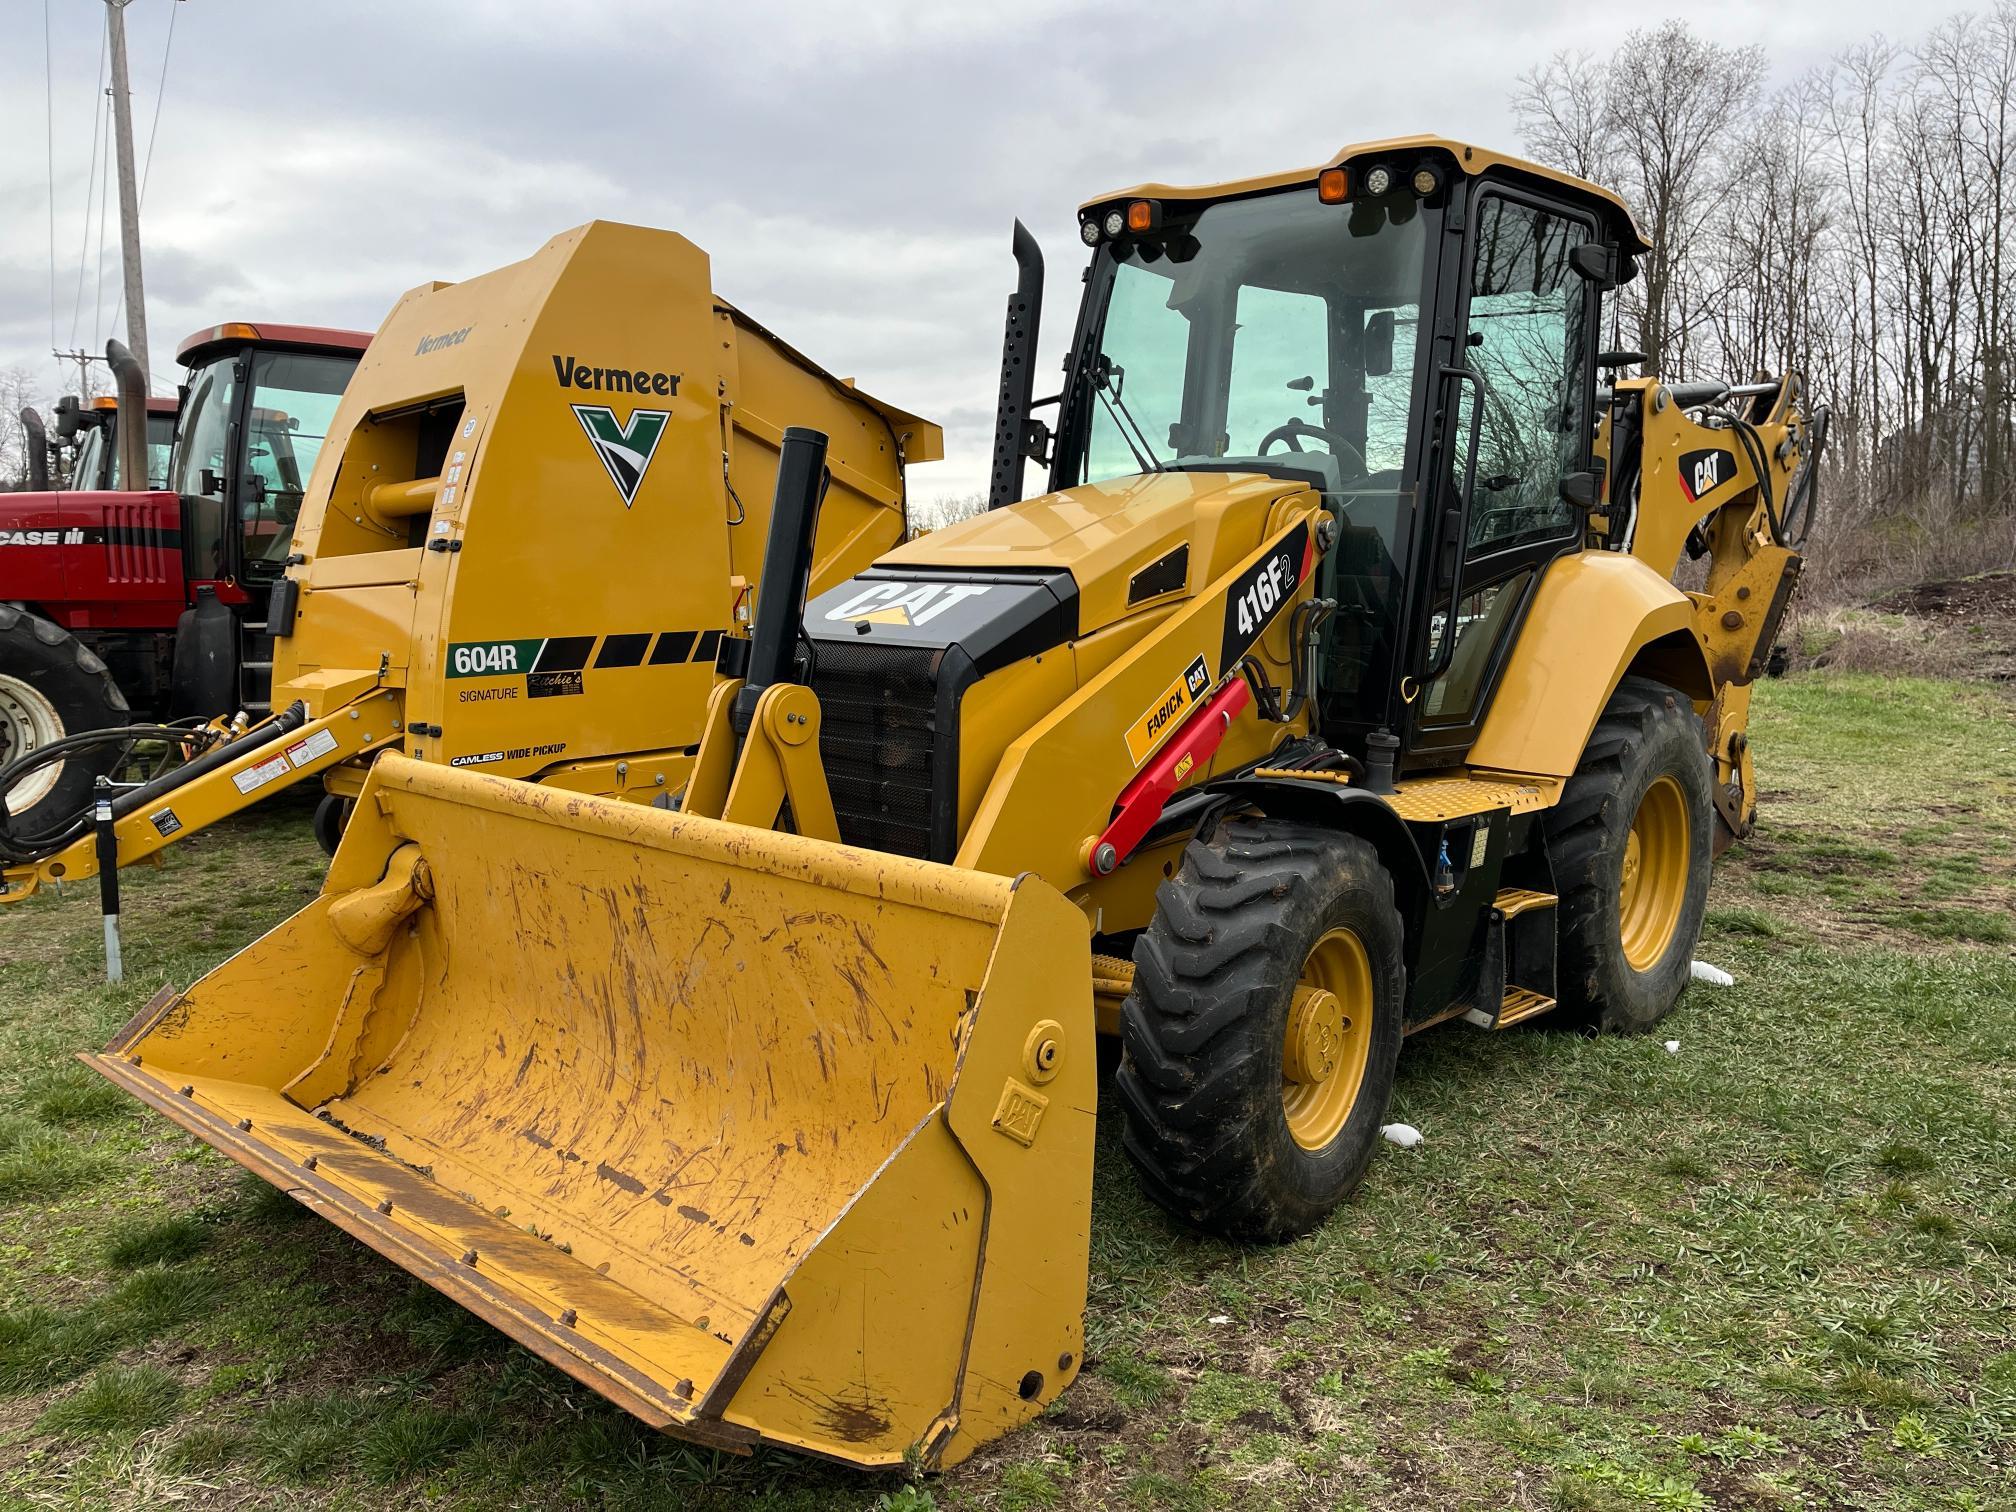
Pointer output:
1630, 845
52, 686
1248, 1112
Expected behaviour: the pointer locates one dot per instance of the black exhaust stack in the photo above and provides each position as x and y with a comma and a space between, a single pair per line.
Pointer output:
787, 569
132, 416
1018, 372
38, 450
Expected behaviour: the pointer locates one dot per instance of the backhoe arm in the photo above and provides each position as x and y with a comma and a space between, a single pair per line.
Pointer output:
1728, 474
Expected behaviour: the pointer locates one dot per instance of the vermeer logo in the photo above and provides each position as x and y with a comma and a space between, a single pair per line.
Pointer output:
435, 343
625, 450
613, 380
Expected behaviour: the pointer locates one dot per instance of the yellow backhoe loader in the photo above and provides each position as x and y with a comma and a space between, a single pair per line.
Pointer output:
528, 527
1338, 688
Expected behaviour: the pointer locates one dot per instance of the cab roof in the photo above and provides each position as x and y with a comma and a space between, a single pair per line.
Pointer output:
157, 404
204, 343
1470, 160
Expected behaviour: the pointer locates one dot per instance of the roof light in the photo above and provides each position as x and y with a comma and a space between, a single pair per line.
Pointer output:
1333, 186
1088, 232
1426, 181
1115, 222
1378, 180
1143, 215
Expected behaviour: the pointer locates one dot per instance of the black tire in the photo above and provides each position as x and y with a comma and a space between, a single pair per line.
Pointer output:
1648, 732
1201, 1071
49, 678
331, 814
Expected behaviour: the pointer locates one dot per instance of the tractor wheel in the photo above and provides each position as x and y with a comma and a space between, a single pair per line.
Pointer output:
1258, 1045
51, 686
331, 814
1630, 845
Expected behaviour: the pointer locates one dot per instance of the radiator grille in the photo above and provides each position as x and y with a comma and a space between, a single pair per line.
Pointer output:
878, 737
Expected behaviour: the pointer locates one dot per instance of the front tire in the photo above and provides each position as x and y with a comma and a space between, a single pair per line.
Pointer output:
1630, 843
52, 686
1259, 1044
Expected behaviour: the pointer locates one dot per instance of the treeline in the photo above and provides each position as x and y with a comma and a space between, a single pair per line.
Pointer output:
1852, 224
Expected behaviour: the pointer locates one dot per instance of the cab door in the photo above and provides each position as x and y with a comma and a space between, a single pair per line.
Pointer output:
1526, 385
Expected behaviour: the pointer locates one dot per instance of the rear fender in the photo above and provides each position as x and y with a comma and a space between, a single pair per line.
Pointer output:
1597, 618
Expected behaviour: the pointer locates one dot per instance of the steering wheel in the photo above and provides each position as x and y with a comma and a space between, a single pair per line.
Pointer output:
1292, 432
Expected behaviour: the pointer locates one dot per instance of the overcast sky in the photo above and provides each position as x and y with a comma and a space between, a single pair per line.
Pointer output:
852, 168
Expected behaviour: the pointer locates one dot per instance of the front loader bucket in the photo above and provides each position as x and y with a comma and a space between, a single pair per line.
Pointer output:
763, 1138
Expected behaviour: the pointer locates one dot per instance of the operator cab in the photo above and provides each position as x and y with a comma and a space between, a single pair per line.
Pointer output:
258, 404
1410, 330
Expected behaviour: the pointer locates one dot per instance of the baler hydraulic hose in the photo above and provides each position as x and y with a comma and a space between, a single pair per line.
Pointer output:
26, 849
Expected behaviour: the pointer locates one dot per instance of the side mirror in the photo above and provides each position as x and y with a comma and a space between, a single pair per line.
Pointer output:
1379, 343
1595, 262
1580, 490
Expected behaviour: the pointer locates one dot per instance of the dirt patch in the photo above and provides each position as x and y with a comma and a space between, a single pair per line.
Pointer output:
1955, 627
1987, 598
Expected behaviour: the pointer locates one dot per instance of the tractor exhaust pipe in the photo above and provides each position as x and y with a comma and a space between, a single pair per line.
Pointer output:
38, 449
132, 383
787, 569
1018, 372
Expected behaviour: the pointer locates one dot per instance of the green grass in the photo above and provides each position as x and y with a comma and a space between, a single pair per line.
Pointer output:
1776, 1269
119, 1398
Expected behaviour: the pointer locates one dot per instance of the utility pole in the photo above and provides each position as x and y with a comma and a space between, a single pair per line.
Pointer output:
129, 189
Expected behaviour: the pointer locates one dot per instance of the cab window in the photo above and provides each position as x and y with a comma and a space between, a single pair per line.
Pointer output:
294, 399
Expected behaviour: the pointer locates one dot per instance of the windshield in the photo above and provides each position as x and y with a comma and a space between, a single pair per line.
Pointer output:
1260, 328
87, 466
294, 398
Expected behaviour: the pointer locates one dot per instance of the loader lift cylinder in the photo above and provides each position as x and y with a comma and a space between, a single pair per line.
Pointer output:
787, 568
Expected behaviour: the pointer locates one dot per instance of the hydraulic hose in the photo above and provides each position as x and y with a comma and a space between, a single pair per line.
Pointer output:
23, 849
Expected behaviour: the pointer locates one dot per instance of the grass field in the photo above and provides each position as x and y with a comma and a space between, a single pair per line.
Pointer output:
1774, 1269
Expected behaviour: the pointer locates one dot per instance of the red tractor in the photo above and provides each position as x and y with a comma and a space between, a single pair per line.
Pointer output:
120, 607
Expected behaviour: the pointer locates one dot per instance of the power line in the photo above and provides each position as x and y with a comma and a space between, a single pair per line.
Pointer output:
104, 196
91, 179
49, 139
147, 167
160, 91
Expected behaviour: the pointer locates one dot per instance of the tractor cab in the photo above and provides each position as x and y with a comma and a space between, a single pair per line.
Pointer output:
91, 428
1410, 330
259, 401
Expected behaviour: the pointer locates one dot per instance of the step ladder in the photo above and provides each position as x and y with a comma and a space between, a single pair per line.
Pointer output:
1516, 980
255, 668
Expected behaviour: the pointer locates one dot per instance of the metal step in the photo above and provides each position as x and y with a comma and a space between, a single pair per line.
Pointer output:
1513, 901
1521, 1003
1516, 1003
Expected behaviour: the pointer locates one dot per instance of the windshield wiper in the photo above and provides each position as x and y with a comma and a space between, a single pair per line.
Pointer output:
1103, 373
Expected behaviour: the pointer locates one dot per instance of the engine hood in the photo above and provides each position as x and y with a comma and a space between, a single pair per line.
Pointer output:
1014, 581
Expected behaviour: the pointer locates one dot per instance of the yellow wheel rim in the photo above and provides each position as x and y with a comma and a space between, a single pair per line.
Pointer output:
1328, 1039
1653, 885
